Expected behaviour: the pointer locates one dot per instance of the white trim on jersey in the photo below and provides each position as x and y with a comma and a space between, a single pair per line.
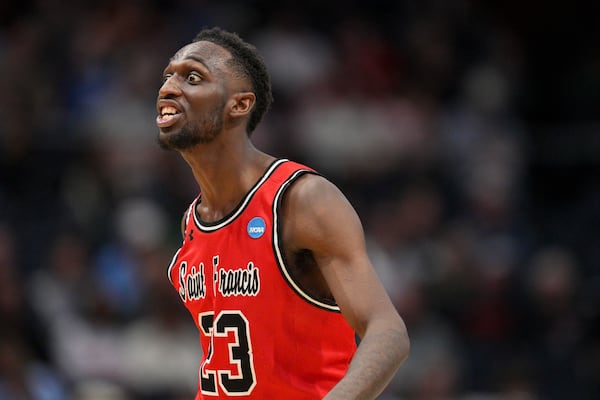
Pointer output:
242, 206
287, 276
173, 260
187, 221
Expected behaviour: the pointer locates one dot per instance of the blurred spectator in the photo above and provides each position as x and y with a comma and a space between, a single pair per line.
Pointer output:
434, 369
61, 288
552, 321
164, 334
24, 377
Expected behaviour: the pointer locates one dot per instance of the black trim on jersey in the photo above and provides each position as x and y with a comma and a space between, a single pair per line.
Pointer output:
237, 211
186, 222
280, 254
172, 264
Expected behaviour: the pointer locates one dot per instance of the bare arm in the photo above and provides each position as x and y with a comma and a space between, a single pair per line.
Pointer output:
326, 224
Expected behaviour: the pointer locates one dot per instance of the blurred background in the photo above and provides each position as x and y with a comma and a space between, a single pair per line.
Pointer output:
465, 133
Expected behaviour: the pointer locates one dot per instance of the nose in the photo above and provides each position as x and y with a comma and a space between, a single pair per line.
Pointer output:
169, 88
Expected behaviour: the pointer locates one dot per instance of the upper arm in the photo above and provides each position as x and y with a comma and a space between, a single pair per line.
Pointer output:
320, 219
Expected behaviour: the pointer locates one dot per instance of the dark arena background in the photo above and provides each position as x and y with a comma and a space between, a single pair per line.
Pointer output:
465, 133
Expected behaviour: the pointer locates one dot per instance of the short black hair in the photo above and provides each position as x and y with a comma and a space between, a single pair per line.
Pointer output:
247, 61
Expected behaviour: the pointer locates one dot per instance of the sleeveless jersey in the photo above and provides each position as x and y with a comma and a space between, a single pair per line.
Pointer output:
262, 335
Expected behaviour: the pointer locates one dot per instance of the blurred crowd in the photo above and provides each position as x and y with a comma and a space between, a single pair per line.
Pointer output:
429, 115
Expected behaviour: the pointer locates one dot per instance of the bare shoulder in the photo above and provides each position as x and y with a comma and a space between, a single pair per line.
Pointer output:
316, 189
315, 210
315, 195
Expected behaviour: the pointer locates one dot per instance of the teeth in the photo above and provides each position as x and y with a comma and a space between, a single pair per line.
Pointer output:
168, 110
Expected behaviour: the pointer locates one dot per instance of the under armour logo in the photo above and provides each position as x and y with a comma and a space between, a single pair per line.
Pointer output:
191, 234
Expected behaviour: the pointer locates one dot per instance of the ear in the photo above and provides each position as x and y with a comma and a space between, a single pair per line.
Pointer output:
243, 102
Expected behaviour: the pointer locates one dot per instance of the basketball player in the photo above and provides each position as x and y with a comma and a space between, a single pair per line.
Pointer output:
273, 266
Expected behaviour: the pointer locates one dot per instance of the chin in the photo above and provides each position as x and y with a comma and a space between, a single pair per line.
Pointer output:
179, 140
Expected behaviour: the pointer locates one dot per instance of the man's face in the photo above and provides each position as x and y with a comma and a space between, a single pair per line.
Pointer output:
191, 101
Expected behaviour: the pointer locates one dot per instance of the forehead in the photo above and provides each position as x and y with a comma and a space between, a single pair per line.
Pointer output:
212, 55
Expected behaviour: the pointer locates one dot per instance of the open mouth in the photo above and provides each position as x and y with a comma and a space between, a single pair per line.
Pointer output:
167, 116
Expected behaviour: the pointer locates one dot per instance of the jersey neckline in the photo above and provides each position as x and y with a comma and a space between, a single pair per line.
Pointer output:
226, 220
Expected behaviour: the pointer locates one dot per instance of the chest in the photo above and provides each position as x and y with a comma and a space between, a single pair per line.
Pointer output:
232, 262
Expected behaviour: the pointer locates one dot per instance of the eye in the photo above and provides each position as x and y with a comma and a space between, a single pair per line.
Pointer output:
165, 78
194, 77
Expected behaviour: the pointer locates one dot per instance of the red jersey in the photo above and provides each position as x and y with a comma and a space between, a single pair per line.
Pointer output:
262, 335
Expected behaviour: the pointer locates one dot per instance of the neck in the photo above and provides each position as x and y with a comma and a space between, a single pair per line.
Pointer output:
225, 172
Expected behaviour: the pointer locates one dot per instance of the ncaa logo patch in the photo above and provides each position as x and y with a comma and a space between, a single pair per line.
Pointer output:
256, 227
